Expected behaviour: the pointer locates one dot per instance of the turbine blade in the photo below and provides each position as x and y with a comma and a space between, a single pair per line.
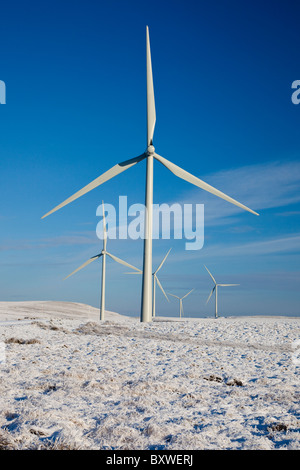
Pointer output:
210, 274
163, 261
151, 114
174, 295
135, 272
121, 261
161, 288
210, 295
197, 182
83, 265
225, 285
187, 294
115, 170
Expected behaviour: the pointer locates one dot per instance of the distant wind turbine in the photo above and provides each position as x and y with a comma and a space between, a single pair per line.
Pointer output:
180, 301
103, 254
155, 281
149, 155
215, 289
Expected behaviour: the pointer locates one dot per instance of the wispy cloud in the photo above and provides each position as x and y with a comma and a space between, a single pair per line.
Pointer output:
62, 240
260, 187
288, 213
286, 244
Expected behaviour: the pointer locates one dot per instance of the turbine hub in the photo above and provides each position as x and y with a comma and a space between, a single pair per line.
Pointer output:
150, 150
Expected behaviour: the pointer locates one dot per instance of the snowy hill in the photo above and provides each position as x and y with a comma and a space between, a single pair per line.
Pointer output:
69, 381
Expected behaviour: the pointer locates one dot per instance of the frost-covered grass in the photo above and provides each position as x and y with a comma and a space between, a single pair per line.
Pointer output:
71, 382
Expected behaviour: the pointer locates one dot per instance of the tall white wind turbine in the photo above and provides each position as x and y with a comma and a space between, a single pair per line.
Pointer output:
215, 289
103, 255
148, 155
180, 301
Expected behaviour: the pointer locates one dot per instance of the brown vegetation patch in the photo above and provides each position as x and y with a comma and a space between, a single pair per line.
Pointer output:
21, 341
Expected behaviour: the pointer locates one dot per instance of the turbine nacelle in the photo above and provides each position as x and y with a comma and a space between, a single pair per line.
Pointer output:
150, 150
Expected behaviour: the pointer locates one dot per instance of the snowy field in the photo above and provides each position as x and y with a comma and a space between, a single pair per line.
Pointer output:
68, 381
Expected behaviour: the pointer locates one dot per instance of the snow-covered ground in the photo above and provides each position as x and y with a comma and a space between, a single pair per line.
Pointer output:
69, 381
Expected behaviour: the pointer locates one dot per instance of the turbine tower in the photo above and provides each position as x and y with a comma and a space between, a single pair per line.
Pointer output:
180, 301
148, 155
103, 254
215, 289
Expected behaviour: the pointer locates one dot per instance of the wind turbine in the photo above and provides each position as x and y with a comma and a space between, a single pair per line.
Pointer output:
148, 155
180, 301
155, 281
103, 255
215, 289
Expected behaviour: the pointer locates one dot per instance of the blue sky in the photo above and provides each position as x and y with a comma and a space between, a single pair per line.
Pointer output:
76, 105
